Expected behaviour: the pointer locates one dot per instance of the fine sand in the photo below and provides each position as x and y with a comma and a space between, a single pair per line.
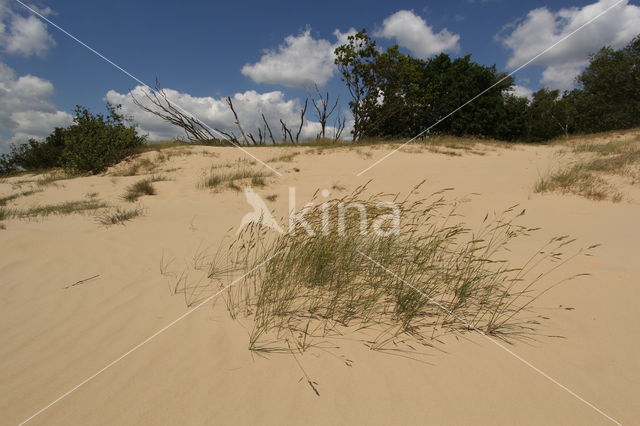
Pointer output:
200, 371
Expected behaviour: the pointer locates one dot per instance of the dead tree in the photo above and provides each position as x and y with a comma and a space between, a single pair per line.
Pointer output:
235, 115
323, 111
303, 111
162, 107
266, 125
339, 128
285, 132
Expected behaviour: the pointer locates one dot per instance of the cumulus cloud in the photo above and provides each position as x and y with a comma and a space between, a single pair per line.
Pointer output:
215, 112
26, 109
301, 61
23, 35
522, 91
542, 27
412, 31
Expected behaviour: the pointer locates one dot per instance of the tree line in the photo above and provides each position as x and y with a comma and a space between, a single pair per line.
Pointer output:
394, 95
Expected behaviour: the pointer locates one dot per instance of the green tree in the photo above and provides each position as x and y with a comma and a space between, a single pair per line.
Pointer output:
356, 61
97, 141
611, 86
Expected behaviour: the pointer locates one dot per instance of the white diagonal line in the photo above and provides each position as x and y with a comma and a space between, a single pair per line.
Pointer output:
146, 86
491, 87
495, 342
145, 341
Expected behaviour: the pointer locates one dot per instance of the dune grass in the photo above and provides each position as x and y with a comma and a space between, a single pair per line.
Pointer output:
585, 177
119, 216
217, 178
141, 188
66, 208
4, 200
284, 158
393, 292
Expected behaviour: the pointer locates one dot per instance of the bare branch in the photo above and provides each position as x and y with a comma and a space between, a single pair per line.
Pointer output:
302, 113
230, 103
269, 129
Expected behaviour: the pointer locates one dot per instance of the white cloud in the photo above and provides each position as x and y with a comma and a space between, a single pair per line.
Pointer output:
215, 113
542, 27
26, 109
411, 31
522, 91
301, 61
23, 35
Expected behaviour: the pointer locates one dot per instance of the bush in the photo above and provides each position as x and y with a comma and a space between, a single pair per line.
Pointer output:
93, 143
35, 155
97, 141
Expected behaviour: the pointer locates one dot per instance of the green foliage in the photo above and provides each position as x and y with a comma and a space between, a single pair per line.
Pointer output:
35, 155
97, 141
93, 143
611, 90
396, 95
356, 61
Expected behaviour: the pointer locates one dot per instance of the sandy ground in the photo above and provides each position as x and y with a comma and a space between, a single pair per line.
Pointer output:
199, 371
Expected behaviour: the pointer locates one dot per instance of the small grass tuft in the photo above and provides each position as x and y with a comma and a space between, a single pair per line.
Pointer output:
6, 199
217, 178
68, 207
119, 216
142, 187
284, 158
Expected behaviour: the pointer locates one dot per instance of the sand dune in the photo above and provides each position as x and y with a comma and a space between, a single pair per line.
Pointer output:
200, 372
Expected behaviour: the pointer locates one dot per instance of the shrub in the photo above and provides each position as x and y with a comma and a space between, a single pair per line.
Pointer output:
35, 155
97, 141
138, 189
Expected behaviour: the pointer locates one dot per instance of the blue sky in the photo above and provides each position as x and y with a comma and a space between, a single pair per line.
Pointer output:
199, 48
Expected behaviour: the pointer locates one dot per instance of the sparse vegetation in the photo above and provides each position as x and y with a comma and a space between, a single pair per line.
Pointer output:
135, 167
284, 158
140, 188
585, 177
68, 207
54, 176
119, 216
217, 178
4, 200
272, 197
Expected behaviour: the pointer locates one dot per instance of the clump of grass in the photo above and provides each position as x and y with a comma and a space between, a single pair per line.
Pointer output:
119, 216
430, 278
258, 181
284, 158
217, 178
272, 197
68, 207
579, 180
11, 197
140, 188
338, 187
585, 176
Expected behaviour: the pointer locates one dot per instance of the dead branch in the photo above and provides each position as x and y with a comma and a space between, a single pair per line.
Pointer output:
269, 129
235, 115
303, 111
162, 107
285, 132
339, 128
